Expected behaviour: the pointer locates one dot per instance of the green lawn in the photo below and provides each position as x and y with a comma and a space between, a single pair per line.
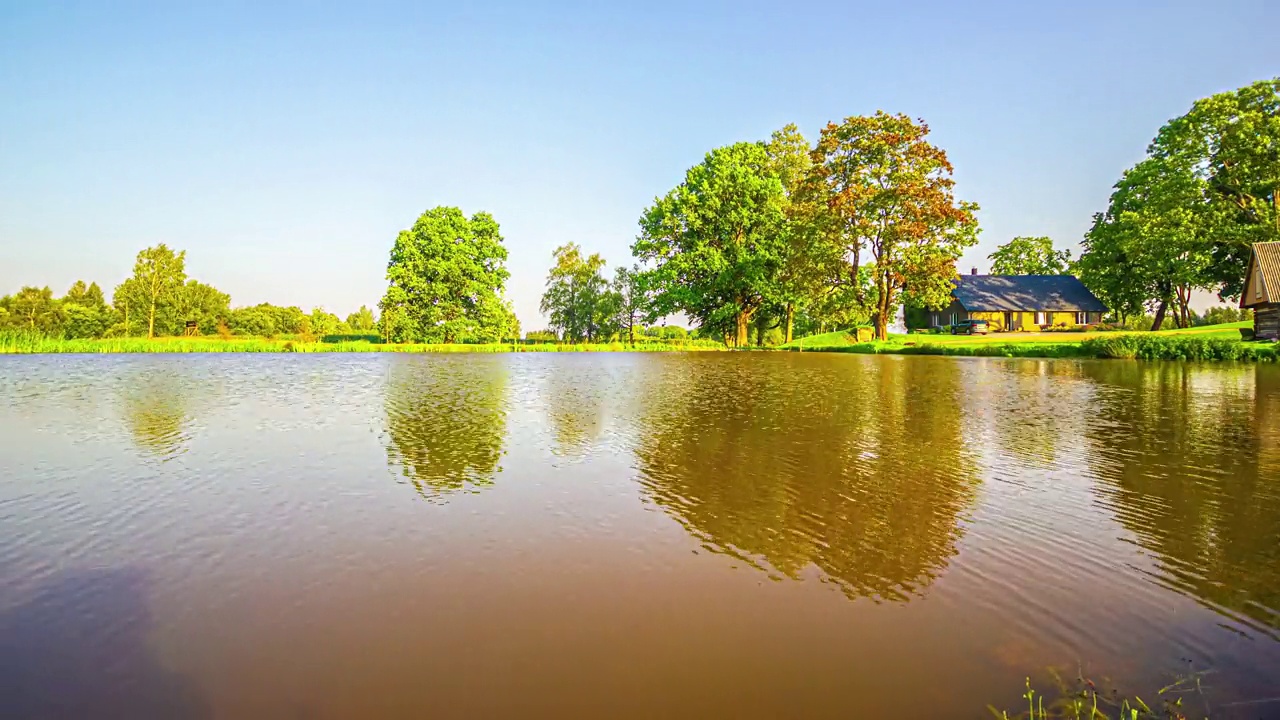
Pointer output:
1211, 342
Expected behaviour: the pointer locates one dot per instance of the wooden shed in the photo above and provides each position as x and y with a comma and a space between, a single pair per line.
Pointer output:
1262, 290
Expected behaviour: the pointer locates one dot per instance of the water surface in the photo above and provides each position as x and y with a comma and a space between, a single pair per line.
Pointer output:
558, 535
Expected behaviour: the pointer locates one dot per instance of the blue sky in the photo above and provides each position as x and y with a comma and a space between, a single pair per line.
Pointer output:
284, 145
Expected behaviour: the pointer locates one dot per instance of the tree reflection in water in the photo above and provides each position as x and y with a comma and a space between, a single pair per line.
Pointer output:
447, 421
1193, 471
857, 468
157, 406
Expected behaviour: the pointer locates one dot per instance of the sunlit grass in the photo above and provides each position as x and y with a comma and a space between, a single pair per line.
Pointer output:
1083, 698
34, 343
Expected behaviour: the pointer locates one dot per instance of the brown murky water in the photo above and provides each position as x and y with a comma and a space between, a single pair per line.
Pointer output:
613, 535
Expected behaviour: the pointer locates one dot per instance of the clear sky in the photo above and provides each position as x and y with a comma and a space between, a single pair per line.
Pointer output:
284, 145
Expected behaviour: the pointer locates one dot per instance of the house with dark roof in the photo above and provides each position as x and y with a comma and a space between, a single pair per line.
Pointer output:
1021, 302
1262, 290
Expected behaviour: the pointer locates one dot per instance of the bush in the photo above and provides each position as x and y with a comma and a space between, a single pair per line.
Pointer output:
1177, 347
351, 337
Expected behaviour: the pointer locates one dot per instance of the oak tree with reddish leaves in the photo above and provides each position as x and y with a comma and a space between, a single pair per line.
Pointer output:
886, 196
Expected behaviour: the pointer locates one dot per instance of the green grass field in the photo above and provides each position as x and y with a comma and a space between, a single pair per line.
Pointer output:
25, 343
1210, 342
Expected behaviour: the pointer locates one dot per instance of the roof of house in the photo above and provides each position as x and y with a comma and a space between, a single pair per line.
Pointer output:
1268, 256
1025, 293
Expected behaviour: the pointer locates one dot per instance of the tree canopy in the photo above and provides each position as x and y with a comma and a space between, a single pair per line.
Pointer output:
446, 279
714, 245
578, 300
1185, 217
885, 198
1030, 256
151, 294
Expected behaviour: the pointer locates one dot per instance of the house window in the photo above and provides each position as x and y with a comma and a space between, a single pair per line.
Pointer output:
1257, 286
953, 318
1041, 318
1082, 318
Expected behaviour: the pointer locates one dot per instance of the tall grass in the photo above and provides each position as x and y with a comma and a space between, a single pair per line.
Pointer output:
35, 343
1013, 349
1085, 698
1125, 346
1177, 347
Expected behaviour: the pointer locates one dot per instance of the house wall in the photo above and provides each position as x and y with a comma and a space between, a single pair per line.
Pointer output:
995, 320
1027, 320
942, 318
1255, 292
1266, 321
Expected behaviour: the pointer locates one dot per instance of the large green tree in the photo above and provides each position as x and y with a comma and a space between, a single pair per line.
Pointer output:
799, 285
1231, 144
1153, 245
1030, 256
888, 202
715, 244
1186, 216
446, 278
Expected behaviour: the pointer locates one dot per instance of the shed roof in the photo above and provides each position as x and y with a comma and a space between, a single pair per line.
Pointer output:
1025, 293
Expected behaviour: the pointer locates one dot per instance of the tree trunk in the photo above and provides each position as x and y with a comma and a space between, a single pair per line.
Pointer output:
791, 314
744, 324
1184, 297
882, 309
151, 320
1160, 310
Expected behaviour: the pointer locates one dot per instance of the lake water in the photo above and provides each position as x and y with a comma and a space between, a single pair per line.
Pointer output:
619, 535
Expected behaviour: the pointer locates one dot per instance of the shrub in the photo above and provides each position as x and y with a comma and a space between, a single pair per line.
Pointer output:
351, 337
1177, 347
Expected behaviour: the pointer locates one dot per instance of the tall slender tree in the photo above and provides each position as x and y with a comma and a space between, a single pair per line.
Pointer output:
158, 276
578, 299
633, 305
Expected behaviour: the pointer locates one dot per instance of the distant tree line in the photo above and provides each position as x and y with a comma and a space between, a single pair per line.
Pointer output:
763, 240
158, 300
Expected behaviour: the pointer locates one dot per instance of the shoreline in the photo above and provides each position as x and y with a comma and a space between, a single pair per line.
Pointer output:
1122, 346
179, 346
1210, 344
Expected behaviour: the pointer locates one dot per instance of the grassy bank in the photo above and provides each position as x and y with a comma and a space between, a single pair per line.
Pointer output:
1211, 342
24, 343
